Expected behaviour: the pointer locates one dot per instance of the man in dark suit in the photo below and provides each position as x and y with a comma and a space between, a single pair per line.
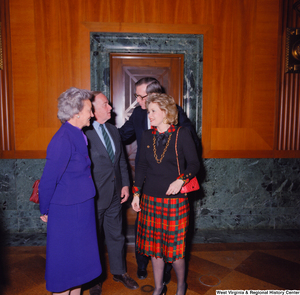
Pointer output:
110, 174
134, 128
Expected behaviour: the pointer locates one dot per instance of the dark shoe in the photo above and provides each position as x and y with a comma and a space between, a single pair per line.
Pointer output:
126, 280
142, 274
96, 290
167, 278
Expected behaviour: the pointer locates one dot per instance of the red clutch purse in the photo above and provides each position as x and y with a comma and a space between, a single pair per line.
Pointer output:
35, 193
193, 184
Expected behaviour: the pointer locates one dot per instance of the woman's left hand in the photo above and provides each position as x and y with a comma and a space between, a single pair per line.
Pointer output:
175, 187
44, 218
135, 204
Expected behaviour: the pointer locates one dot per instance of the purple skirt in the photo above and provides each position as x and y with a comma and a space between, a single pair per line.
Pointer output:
72, 257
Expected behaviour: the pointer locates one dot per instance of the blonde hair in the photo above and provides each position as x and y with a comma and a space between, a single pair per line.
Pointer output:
167, 104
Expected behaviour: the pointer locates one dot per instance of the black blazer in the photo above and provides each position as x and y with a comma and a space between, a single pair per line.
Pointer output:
137, 124
155, 178
108, 177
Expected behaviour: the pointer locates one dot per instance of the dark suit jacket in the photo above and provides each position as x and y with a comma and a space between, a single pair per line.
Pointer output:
138, 123
109, 178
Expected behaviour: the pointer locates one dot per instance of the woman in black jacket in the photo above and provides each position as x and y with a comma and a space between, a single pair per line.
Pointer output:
164, 217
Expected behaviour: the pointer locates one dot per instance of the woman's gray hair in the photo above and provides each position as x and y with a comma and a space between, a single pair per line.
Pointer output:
70, 103
167, 104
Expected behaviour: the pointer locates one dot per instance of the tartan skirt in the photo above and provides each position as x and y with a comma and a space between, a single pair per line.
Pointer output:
162, 227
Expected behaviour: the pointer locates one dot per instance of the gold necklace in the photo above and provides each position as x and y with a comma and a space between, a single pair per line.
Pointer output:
165, 149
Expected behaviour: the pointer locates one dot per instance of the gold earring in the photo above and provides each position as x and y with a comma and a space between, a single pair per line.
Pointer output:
165, 121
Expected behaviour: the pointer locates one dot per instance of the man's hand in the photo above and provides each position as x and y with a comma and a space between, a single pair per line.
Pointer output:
124, 194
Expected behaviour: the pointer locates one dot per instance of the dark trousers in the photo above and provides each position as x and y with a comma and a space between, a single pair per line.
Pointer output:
110, 222
142, 260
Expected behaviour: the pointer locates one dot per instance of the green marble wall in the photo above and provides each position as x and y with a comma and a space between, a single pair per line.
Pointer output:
235, 194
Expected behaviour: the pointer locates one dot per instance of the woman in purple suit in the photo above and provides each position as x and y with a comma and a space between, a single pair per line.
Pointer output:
66, 194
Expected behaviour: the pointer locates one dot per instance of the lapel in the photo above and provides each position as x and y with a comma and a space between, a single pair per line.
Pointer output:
145, 120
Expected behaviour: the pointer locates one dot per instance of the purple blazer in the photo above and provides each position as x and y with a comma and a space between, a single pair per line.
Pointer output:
66, 179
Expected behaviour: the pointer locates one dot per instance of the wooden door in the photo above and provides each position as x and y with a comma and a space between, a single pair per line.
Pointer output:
126, 70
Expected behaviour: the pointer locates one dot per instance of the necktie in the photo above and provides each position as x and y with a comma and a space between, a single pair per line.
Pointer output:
107, 143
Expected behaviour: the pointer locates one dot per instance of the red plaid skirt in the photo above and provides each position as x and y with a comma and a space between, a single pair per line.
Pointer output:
162, 227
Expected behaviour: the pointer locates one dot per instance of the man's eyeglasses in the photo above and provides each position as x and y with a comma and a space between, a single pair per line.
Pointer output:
141, 97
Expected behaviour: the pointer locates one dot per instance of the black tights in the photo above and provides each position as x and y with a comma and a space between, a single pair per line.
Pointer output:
158, 265
179, 267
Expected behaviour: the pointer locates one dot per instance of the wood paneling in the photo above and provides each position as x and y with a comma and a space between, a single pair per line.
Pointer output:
288, 125
6, 101
50, 53
244, 104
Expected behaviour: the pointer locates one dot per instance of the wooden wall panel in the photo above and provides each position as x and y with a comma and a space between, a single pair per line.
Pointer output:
6, 102
24, 69
265, 64
50, 41
46, 61
247, 108
288, 125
